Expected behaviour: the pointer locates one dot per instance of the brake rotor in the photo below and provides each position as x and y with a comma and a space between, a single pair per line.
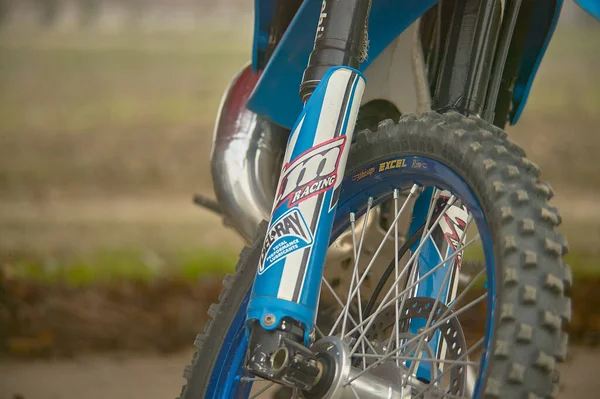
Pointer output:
338, 272
451, 333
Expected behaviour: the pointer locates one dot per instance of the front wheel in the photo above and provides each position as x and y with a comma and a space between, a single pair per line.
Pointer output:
469, 302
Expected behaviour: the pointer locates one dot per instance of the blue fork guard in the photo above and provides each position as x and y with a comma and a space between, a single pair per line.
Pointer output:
225, 382
592, 7
276, 94
288, 280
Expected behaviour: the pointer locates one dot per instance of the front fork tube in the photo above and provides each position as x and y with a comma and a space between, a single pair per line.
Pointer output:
288, 280
442, 284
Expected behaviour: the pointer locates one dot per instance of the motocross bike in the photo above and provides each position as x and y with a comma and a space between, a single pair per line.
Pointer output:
410, 250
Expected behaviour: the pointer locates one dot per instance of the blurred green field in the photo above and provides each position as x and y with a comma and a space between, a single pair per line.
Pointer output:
104, 139
76, 82
105, 136
85, 112
115, 266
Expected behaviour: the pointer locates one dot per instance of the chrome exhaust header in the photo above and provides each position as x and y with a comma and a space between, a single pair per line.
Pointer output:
246, 158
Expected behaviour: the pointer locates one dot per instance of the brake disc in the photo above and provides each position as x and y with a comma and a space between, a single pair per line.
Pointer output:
451, 334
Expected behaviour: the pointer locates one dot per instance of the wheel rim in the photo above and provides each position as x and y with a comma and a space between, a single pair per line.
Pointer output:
229, 379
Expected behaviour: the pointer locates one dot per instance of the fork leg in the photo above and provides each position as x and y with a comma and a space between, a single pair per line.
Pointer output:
283, 303
289, 273
286, 289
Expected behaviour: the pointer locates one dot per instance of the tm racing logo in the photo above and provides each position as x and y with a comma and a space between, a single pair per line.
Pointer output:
287, 234
313, 172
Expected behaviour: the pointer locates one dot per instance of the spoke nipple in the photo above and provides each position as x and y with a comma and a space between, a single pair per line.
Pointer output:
414, 189
352, 217
370, 202
396, 193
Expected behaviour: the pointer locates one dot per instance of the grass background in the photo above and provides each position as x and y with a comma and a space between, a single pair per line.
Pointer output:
105, 135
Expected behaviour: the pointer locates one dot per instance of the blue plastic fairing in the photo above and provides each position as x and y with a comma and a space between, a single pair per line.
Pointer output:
592, 7
544, 19
276, 94
264, 12
288, 280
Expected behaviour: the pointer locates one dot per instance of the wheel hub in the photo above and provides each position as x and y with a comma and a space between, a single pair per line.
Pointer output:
389, 379
451, 333
366, 386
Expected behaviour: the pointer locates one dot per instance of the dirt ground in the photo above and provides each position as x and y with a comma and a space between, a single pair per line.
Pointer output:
159, 377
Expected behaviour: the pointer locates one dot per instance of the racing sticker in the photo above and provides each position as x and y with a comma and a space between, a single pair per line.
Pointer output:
286, 235
313, 172
454, 224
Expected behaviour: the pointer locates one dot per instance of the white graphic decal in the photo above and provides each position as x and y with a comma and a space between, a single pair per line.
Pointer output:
453, 225
313, 172
288, 234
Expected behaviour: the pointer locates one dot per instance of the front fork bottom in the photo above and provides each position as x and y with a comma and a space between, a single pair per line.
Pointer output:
283, 304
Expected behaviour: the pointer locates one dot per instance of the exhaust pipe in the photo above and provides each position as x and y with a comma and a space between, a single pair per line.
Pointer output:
248, 149
246, 158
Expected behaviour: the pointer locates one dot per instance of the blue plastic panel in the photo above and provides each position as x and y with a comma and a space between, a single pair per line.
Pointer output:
291, 264
544, 20
592, 7
276, 94
264, 12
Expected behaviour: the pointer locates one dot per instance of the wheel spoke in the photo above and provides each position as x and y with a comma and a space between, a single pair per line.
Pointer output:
450, 396
425, 331
319, 332
339, 301
356, 271
427, 360
445, 372
354, 392
429, 319
414, 284
262, 390
346, 309
413, 191
396, 271
397, 296
463, 294
410, 261
437, 301
248, 379
435, 196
